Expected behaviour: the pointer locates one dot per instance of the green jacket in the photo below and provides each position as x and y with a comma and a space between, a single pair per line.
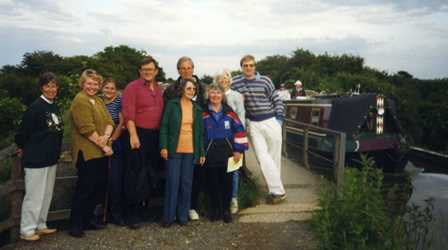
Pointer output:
170, 128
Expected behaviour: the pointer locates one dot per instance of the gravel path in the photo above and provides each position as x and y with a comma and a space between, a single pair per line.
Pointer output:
196, 235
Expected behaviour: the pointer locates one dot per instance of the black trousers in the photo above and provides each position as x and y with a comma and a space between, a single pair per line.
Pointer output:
198, 185
219, 189
149, 159
92, 180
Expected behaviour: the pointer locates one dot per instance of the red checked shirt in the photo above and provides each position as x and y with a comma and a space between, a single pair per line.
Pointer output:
142, 105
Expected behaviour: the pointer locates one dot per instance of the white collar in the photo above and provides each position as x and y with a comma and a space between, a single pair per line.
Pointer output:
45, 99
228, 91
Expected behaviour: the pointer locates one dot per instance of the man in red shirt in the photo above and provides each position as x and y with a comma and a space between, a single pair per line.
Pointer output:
142, 112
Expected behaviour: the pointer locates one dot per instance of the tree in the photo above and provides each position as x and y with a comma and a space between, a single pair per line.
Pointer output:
35, 63
122, 64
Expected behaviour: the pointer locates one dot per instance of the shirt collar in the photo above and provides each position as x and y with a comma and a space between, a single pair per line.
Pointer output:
45, 99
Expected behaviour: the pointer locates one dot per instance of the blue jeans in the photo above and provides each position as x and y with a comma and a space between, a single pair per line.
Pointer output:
178, 188
235, 178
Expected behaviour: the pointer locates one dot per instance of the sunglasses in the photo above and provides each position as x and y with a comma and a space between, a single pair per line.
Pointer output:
248, 65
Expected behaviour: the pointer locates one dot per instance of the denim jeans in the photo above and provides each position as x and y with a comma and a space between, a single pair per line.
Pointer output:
178, 188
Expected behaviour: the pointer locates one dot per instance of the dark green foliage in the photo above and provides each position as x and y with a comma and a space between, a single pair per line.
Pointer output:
206, 79
11, 111
357, 217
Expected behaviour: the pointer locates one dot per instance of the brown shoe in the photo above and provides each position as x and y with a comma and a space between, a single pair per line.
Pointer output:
46, 231
31, 237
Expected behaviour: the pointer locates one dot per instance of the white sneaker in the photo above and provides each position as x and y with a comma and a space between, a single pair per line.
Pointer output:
234, 206
193, 214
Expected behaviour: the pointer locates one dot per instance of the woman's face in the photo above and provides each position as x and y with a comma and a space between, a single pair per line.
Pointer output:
215, 96
190, 90
50, 90
109, 90
90, 87
224, 82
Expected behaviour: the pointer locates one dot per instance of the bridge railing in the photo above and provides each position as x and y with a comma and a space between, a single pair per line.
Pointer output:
13, 191
304, 141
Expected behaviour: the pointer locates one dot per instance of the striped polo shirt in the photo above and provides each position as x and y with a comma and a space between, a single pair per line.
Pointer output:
114, 108
260, 98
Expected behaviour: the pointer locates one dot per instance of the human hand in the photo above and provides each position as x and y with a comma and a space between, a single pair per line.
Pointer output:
19, 152
135, 142
236, 156
107, 150
164, 153
102, 140
201, 160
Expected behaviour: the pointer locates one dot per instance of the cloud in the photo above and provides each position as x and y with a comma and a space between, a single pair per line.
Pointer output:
217, 33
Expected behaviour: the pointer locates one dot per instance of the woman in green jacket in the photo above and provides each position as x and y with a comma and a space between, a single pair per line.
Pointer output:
92, 127
181, 143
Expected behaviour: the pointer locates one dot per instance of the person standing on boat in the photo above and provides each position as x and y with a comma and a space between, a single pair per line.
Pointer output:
298, 90
284, 93
264, 119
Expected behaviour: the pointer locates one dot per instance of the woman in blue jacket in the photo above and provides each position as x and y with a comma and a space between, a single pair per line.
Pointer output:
224, 137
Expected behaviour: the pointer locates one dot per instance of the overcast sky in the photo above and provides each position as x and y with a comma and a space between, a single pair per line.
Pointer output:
410, 35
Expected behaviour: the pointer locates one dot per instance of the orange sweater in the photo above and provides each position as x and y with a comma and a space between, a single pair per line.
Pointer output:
185, 144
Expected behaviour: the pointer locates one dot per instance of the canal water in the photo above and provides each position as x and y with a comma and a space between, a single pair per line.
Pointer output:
435, 186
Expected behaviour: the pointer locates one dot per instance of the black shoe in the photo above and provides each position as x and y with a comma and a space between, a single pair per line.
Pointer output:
227, 217
117, 222
183, 223
134, 226
76, 233
166, 224
94, 226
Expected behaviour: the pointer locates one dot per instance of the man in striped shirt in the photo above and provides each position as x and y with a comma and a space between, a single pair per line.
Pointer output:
264, 118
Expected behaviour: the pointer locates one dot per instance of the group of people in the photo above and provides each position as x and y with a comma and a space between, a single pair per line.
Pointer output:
286, 95
195, 134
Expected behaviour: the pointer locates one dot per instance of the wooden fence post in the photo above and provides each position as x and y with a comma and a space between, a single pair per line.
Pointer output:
16, 198
339, 157
305, 148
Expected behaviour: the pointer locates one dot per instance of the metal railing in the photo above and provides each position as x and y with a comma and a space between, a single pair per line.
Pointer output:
292, 127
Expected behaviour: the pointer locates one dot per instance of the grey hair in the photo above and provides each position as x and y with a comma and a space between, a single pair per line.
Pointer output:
184, 59
216, 86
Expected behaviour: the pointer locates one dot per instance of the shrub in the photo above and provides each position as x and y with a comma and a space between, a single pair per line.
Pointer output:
357, 218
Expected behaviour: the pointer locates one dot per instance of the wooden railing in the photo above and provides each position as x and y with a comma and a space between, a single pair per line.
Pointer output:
14, 189
305, 130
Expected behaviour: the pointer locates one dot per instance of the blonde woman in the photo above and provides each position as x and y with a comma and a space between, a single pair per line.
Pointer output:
92, 127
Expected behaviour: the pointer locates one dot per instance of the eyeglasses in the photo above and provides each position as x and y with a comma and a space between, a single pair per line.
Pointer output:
148, 69
248, 65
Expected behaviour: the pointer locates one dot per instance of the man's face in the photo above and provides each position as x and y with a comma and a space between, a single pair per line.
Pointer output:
148, 72
248, 68
186, 70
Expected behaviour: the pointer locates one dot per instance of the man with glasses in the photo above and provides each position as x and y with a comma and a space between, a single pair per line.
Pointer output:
264, 118
142, 112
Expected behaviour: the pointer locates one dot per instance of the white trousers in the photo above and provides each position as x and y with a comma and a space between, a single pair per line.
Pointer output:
266, 138
39, 184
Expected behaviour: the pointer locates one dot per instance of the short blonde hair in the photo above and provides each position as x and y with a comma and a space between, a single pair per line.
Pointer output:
224, 75
90, 74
